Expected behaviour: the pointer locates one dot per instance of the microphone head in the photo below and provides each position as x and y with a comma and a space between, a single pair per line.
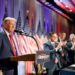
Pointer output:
19, 31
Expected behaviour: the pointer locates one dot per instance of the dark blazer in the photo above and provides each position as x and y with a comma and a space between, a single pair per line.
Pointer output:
5, 46
71, 52
49, 46
53, 54
5, 52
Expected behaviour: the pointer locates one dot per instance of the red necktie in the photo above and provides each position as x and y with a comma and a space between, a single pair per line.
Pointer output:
12, 44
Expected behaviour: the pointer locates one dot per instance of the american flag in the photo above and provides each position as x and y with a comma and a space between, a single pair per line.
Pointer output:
18, 24
27, 45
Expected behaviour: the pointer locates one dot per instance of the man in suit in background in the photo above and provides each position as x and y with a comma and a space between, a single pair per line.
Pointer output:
64, 56
54, 47
70, 48
7, 47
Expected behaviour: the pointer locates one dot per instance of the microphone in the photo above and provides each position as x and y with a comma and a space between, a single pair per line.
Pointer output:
19, 31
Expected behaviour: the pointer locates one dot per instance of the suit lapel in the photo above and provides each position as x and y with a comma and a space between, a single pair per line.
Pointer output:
7, 41
50, 44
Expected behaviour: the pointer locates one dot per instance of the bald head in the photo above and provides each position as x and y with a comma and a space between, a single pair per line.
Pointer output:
9, 24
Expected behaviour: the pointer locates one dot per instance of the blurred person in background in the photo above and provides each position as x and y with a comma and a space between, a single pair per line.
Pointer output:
54, 47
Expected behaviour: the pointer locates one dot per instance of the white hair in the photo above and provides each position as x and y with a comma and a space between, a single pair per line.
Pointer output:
71, 36
10, 19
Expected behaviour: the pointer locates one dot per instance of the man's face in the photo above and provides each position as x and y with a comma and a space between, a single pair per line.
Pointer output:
73, 39
10, 26
54, 38
63, 36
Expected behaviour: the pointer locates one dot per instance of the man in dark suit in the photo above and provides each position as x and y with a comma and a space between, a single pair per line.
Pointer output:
70, 48
54, 49
64, 57
6, 48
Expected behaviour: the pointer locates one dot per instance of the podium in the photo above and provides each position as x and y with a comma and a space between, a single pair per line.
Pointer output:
28, 57
12, 61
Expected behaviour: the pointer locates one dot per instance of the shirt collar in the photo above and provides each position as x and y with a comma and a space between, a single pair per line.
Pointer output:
6, 32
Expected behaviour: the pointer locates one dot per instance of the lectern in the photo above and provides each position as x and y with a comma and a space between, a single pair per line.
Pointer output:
11, 61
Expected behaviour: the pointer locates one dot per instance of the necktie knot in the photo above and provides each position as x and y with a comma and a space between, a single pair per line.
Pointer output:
10, 35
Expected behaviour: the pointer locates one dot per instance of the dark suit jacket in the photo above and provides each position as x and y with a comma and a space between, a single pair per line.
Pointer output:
5, 51
53, 55
5, 46
70, 52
